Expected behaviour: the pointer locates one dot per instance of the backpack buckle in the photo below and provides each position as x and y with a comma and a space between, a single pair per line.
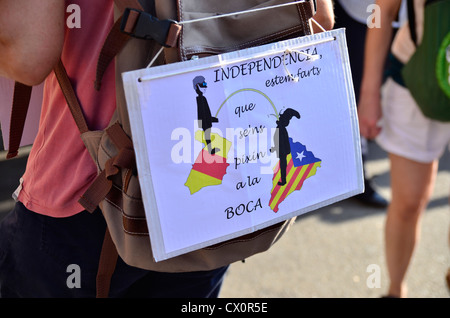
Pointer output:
142, 25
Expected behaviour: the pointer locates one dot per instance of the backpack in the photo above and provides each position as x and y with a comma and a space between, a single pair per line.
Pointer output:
141, 28
427, 73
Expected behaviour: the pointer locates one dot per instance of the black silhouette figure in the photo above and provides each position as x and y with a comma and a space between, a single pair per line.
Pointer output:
205, 119
281, 141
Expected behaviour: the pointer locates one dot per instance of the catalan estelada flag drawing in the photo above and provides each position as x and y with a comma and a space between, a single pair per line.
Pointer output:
301, 164
209, 169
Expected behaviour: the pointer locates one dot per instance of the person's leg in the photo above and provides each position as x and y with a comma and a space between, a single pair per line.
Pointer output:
412, 184
207, 134
208, 142
41, 256
283, 167
204, 284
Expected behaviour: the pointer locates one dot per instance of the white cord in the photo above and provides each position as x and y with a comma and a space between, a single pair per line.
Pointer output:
155, 57
317, 23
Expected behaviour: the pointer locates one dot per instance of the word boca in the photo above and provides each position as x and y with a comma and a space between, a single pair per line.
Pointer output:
241, 208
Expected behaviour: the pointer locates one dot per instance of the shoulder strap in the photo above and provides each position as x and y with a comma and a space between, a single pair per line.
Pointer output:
106, 266
70, 96
115, 40
412, 20
21, 101
412, 17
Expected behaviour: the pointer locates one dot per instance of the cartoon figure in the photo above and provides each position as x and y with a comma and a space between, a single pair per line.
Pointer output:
203, 112
281, 141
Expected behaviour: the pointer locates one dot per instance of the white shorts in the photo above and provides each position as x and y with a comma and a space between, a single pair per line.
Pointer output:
406, 131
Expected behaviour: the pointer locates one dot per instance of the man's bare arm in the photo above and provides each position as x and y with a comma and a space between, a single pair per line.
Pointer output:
31, 38
324, 15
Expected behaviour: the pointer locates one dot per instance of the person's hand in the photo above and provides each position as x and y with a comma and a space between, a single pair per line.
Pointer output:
369, 113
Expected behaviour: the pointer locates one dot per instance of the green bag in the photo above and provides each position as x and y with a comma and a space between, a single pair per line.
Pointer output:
427, 74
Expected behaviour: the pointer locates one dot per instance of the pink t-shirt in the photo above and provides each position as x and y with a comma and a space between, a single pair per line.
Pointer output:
59, 168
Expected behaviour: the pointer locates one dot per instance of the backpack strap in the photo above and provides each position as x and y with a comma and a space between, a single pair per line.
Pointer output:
115, 40
21, 101
412, 20
102, 184
70, 96
106, 266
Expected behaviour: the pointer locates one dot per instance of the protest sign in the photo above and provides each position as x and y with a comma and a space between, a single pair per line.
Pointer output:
233, 143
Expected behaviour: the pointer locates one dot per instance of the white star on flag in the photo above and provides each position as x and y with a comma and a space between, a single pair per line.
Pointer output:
300, 156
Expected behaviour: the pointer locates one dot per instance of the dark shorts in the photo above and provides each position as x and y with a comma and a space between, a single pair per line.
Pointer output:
42, 256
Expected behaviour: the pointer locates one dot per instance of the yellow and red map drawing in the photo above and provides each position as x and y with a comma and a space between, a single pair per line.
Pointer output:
209, 170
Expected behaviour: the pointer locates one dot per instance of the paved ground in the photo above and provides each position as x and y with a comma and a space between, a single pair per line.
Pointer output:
334, 251
328, 252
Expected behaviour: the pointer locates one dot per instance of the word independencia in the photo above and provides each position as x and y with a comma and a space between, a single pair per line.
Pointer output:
261, 65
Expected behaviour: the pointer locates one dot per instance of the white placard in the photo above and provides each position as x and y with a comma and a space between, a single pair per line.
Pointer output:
290, 102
